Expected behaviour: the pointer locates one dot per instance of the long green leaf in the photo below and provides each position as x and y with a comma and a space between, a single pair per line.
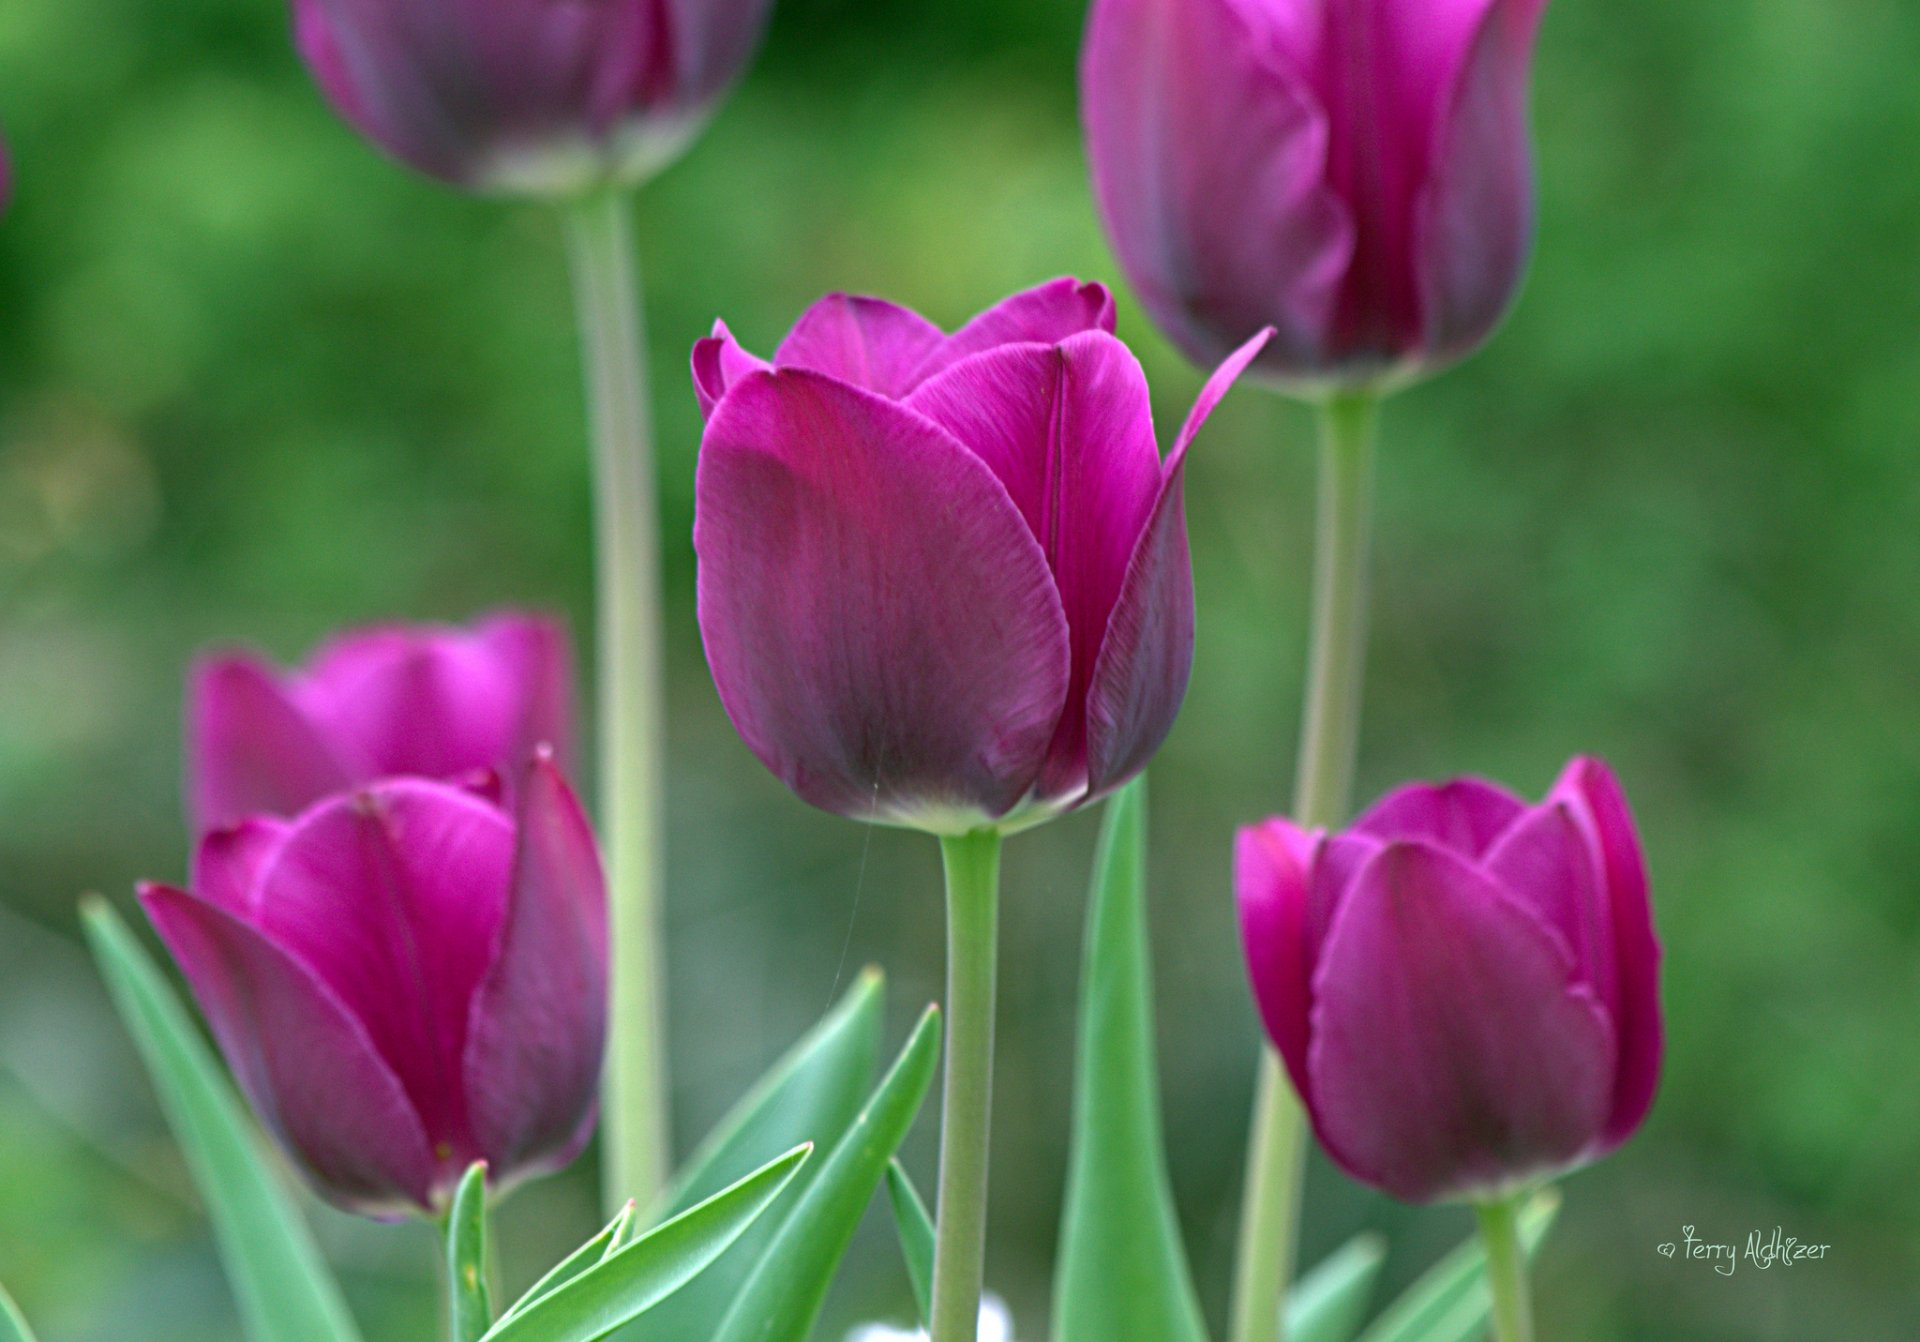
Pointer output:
782, 1298
13, 1324
1330, 1302
594, 1252
469, 1303
811, 1095
651, 1268
1450, 1302
915, 1224
284, 1289
1122, 1272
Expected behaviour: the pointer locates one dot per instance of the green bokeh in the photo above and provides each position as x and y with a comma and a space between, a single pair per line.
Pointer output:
256, 383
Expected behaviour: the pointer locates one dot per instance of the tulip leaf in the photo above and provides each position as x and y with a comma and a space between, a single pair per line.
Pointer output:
915, 1224
594, 1252
1122, 1272
13, 1324
469, 1304
284, 1290
811, 1095
782, 1298
1451, 1302
1329, 1303
635, 1278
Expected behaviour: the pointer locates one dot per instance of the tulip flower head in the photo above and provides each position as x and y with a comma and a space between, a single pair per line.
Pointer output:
394, 699
1356, 173
545, 97
1464, 987
405, 979
944, 579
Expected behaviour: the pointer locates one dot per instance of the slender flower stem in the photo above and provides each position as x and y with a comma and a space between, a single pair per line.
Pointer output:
960, 1238
1506, 1270
1323, 789
607, 294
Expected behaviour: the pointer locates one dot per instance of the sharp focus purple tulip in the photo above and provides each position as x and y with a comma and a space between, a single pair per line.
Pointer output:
944, 578
405, 979
1464, 987
1356, 173
394, 699
540, 96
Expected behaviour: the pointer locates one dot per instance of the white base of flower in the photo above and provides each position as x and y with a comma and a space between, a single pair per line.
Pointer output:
996, 1325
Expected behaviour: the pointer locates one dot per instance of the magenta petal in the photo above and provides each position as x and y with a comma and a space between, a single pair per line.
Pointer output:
1452, 1054
1474, 220
881, 625
1545, 860
1272, 862
305, 1062
252, 749
536, 662
1637, 949
718, 363
393, 897
867, 342
1046, 314
1209, 154
1464, 816
537, 1024
228, 862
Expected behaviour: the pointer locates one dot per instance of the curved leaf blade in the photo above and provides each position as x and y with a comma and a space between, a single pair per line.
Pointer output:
469, 1303
915, 1224
284, 1289
782, 1298
13, 1324
1450, 1303
1329, 1303
595, 1251
1122, 1270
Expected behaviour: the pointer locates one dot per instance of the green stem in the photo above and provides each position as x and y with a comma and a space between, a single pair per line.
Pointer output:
960, 1234
607, 294
1506, 1270
1323, 788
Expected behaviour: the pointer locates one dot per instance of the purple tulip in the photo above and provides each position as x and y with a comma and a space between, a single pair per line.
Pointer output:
426, 700
1356, 173
944, 578
539, 96
1465, 988
405, 979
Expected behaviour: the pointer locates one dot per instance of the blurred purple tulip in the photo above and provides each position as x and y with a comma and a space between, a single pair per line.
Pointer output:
537, 96
1465, 988
1356, 173
944, 578
405, 979
426, 700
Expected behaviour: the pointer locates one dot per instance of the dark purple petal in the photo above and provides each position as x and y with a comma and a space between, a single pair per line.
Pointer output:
718, 363
251, 749
538, 1021
1452, 1054
1545, 860
1464, 816
881, 625
1046, 314
1272, 861
866, 342
310, 1069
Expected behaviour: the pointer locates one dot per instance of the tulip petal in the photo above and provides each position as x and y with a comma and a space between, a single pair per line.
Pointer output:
1068, 429
538, 1021
1272, 862
254, 751
718, 363
305, 1062
1146, 653
881, 625
1544, 860
866, 342
1046, 314
1223, 242
393, 897
1637, 949
1452, 1053
228, 863
1464, 816
534, 656
1474, 219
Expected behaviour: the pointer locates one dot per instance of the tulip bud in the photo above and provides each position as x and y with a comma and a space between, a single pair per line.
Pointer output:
1355, 173
543, 97
393, 699
1464, 987
944, 580
405, 979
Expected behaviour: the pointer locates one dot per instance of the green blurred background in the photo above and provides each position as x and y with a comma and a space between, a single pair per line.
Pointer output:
257, 383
